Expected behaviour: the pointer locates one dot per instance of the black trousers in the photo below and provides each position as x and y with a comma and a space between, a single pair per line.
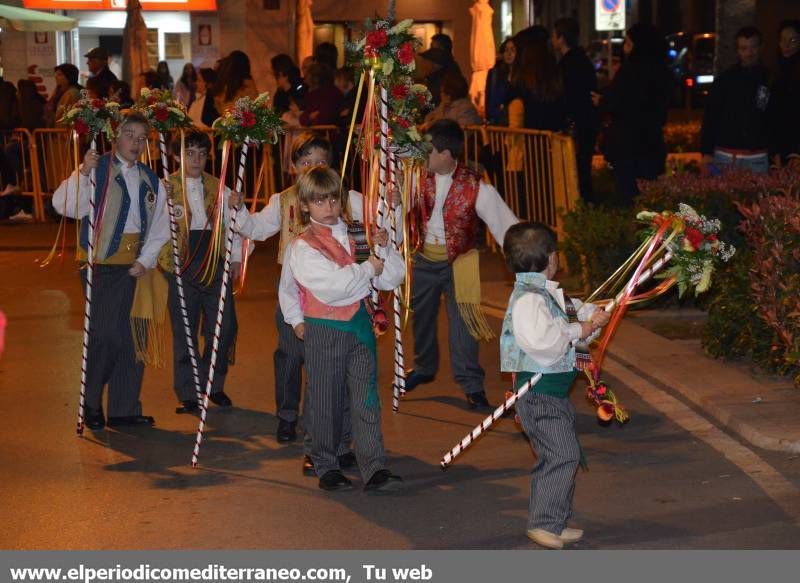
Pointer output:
431, 280
111, 355
202, 302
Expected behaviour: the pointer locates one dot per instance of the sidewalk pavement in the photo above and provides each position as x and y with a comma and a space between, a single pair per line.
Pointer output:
764, 413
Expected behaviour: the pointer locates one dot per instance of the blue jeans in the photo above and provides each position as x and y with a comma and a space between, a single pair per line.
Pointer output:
755, 163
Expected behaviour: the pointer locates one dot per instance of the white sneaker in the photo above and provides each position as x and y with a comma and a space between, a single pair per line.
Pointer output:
571, 535
21, 216
545, 538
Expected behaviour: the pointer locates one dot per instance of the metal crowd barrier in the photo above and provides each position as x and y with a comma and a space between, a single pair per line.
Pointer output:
533, 170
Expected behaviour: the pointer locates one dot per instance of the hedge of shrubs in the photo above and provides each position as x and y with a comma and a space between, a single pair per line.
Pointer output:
754, 304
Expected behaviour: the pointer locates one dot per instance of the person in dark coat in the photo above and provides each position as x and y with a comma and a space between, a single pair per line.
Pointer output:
783, 109
498, 83
580, 81
97, 61
735, 131
637, 102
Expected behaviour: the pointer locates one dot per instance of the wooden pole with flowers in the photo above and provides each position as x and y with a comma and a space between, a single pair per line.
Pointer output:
249, 121
689, 244
392, 149
166, 115
89, 118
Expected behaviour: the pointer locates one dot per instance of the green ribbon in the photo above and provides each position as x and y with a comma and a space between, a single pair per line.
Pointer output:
361, 326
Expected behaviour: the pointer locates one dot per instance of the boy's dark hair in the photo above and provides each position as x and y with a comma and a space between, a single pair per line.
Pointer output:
305, 142
528, 246
568, 29
749, 32
316, 184
327, 54
446, 134
199, 140
443, 41
69, 71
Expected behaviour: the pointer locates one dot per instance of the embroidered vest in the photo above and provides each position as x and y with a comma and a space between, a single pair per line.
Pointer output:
183, 216
321, 239
112, 199
461, 221
291, 225
512, 357
358, 235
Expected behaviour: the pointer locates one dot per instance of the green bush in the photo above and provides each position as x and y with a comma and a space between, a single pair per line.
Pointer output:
597, 240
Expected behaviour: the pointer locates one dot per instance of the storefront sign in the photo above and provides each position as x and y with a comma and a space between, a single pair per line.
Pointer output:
41, 53
120, 4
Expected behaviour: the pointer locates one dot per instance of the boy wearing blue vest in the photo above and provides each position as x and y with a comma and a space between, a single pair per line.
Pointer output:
131, 227
540, 330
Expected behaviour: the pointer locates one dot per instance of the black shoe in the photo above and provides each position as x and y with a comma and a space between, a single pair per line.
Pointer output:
478, 400
348, 460
384, 482
413, 378
220, 399
335, 480
187, 406
287, 431
308, 466
131, 421
94, 419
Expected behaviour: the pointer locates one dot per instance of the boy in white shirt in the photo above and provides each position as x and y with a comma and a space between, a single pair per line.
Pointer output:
201, 285
455, 204
131, 227
538, 337
340, 350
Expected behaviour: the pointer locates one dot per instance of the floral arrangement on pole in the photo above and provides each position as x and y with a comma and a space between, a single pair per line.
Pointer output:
250, 119
163, 113
388, 52
91, 116
696, 247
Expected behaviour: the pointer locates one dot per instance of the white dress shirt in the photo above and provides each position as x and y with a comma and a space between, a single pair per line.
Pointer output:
64, 202
542, 336
195, 197
490, 206
331, 284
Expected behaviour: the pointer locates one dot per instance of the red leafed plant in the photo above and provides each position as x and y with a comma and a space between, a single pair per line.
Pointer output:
772, 228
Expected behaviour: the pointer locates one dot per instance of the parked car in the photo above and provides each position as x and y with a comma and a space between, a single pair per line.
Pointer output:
692, 62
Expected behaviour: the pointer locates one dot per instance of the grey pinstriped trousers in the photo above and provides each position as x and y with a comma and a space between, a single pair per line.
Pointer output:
549, 423
111, 357
338, 368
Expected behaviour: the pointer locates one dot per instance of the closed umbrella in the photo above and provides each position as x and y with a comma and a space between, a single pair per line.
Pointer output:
134, 48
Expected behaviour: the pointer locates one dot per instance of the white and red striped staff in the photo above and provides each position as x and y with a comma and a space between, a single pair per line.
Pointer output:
221, 305
87, 310
173, 231
509, 402
387, 161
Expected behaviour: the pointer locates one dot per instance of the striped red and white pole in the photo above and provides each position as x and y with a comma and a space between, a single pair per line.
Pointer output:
399, 382
87, 310
176, 257
488, 422
220, 306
